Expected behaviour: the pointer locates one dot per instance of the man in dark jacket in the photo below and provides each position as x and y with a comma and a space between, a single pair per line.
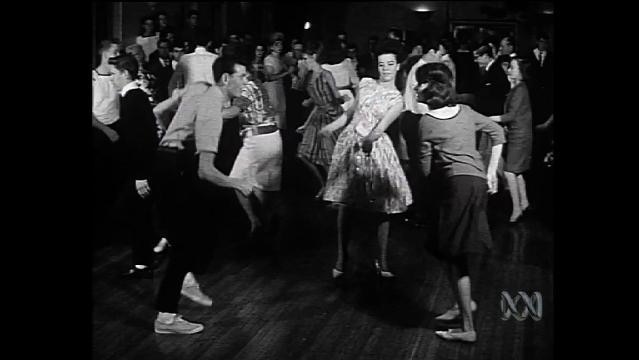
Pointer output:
140, 143
491, 94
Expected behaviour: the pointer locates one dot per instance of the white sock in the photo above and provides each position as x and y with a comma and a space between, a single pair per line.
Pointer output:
165, 317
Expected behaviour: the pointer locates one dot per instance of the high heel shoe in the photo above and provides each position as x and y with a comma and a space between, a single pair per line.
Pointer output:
458, 335
382, 273
337, 273
454, 313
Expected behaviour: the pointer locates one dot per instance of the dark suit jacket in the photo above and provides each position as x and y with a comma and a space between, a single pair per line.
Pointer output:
162, 77
139, 133
467, 72
493, 87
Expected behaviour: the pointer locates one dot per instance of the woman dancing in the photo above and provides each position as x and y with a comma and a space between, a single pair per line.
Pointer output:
447, 135
315, 151
365, 172
260, 158
518, 121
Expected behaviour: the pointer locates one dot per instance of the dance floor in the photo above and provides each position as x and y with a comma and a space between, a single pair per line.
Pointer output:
291, 309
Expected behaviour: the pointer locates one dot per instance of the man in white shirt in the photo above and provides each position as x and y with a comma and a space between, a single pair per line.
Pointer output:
194, 67
106, 105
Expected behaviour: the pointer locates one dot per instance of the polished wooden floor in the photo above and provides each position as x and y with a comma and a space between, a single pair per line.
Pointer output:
291, 309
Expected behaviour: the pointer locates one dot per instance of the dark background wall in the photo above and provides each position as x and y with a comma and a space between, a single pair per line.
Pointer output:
358, 19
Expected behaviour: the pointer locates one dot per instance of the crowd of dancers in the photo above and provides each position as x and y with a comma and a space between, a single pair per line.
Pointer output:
383, 133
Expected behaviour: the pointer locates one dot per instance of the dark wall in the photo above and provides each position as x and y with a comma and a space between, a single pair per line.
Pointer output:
358, 19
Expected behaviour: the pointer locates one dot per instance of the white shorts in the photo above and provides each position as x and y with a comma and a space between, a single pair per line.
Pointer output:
260, 161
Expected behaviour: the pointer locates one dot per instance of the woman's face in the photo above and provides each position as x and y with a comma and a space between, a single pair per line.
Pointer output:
513, 71
311, 60
505, 48
148, 27
387, 66
259, 52
277, 47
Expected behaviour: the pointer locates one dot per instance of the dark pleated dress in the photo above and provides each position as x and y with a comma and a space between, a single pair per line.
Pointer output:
316, 149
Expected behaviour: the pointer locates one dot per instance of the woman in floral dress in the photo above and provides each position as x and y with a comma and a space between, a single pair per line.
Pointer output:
365, 172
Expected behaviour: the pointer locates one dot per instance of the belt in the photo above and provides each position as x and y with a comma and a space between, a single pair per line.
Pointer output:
259, 130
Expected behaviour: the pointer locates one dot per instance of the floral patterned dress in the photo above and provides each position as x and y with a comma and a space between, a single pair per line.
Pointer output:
374, 182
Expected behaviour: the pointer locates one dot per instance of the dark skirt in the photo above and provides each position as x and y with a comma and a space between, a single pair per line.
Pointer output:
463, 225
518, 152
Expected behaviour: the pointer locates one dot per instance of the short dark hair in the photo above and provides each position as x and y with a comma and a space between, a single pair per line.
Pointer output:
105, 45
543, 36
313, 47
224, 64
126, 63
447, 43
333, 54
192, 12
484, 49
165, 40
439, 91
390, 47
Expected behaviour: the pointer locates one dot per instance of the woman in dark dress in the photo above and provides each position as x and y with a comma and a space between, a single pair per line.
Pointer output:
447, 136
315, 150
519, 125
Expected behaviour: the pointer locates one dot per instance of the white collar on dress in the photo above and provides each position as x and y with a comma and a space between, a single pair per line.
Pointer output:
127, 87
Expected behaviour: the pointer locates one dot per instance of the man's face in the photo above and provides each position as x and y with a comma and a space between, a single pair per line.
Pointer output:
237, 80
162, 20
542, 44
505, 47
177, 54
163, 49
120, 78
193, 20
148, 26
298, 51
352, 53
113, 50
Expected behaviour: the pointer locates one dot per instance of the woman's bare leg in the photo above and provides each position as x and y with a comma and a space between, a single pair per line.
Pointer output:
523, 197
514, 195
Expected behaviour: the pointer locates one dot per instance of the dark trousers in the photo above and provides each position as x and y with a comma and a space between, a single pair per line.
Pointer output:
184, 203
139, 217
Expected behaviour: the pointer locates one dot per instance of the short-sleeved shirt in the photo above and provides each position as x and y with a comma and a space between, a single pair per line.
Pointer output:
259, 110
106, 103
199, 118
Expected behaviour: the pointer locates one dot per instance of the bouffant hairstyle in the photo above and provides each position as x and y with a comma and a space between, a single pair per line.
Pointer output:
435, 88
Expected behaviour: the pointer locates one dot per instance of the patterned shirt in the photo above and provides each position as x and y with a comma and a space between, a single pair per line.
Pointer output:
260, 110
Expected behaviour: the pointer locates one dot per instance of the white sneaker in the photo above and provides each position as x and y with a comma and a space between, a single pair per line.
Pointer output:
160, 246
194, 293
175, 324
